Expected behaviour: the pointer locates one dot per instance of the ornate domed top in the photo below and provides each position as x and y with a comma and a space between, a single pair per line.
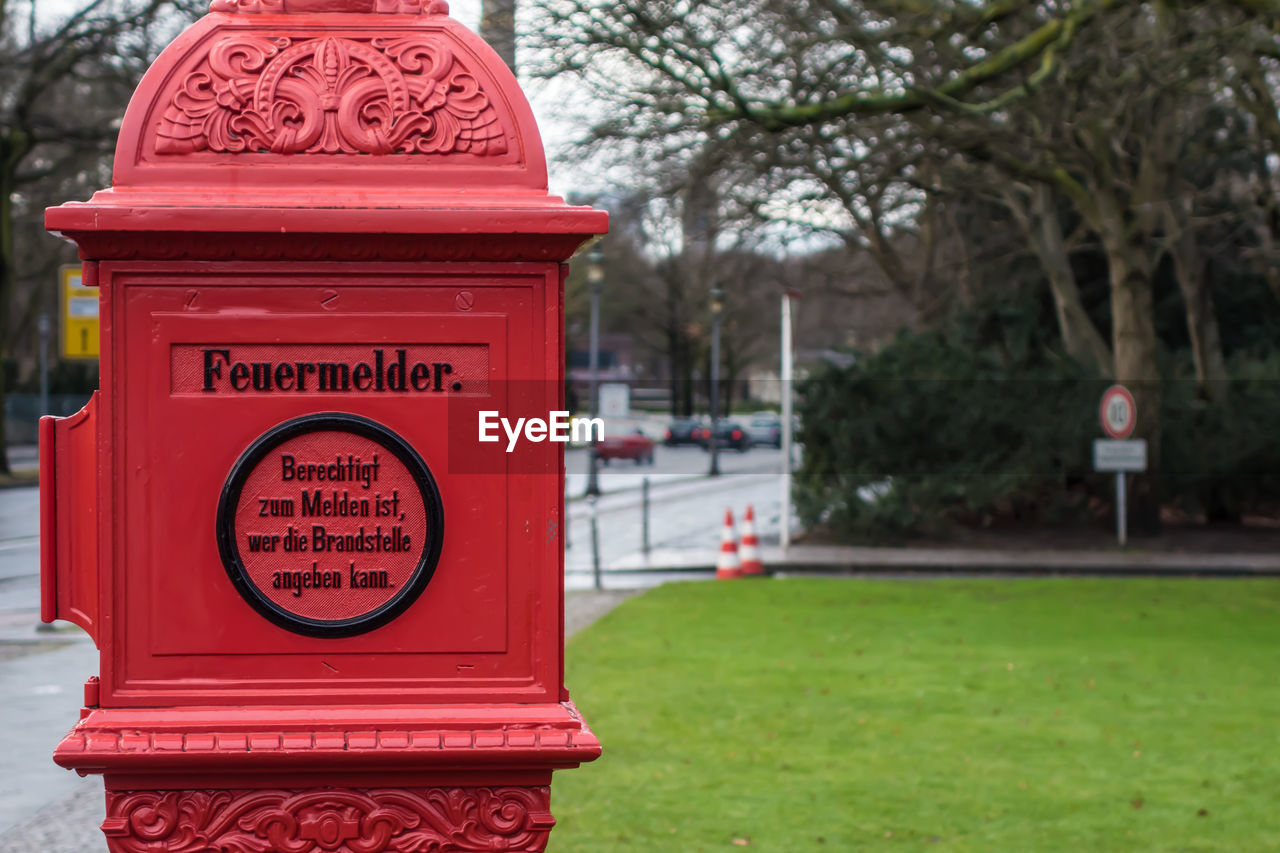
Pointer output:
254, 7
326, 108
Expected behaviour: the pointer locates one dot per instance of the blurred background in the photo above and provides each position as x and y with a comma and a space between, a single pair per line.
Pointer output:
937, 232
985, 213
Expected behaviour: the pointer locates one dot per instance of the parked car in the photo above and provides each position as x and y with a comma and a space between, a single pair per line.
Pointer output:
682, 431
731, 436
626, 445
765, 428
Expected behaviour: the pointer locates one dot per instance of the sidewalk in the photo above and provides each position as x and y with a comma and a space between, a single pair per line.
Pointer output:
23, 455
45, 809
24, 464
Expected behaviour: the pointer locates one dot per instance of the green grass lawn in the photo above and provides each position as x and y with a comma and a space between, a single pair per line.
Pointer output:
1038, 715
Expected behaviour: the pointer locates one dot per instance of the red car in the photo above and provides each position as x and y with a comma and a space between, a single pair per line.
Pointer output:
632, 445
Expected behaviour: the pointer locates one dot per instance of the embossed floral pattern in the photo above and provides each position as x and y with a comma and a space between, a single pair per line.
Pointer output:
331, 95
386, 7
339, 820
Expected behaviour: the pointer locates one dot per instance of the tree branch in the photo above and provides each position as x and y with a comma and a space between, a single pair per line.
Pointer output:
775, 116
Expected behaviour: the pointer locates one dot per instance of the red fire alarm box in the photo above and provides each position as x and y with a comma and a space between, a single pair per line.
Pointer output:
330, 617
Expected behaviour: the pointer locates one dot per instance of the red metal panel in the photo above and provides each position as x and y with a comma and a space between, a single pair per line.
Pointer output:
329, 234
472, 635
341, 739
48, 521
68, 518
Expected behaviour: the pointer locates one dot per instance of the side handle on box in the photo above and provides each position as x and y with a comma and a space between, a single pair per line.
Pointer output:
69, 518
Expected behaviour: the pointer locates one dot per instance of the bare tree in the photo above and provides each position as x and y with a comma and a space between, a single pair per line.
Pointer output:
668, 249
498, 28
63, 85
855, 103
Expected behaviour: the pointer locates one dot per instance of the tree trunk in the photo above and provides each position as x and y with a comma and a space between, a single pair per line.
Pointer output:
673, 373
687, 389
963, 274
1266, 224
1080, 337
1134, 343
680, 365
729, 381
1192, 270
9, 158
1202, 319
498, 28
673, 391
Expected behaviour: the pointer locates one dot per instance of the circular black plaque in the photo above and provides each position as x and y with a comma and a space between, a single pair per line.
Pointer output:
330, 525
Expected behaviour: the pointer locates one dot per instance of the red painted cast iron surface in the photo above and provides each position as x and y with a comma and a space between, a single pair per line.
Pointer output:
328, 244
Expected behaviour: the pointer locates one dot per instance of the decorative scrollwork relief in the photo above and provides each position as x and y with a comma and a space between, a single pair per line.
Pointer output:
337, 820
384, 7
331, 95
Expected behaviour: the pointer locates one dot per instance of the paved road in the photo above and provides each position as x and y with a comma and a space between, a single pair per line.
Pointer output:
19, 548
686, 511
41, 674
670, 464
19, 539
42, 692
19, 533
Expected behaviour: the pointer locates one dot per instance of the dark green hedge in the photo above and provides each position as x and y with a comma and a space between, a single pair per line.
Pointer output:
953, 428
1222, 459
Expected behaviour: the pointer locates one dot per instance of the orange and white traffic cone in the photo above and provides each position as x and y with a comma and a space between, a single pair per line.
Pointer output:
751, 562
727, 566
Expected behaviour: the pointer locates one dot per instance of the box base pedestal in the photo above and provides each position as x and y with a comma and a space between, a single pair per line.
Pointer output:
509, 819
445, 779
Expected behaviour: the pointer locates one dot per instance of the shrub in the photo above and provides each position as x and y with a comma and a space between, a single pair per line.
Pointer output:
972, 426
1222, 459
933, 431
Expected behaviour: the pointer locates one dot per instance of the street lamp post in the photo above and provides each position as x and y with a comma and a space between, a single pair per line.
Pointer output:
717, 308
595, 280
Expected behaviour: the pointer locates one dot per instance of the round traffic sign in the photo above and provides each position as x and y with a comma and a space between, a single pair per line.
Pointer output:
1118, 412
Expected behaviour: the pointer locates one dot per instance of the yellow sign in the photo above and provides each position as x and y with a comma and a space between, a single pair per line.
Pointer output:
79, 315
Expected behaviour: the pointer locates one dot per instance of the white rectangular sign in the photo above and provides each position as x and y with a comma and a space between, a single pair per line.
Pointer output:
615, 400
1127, 455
